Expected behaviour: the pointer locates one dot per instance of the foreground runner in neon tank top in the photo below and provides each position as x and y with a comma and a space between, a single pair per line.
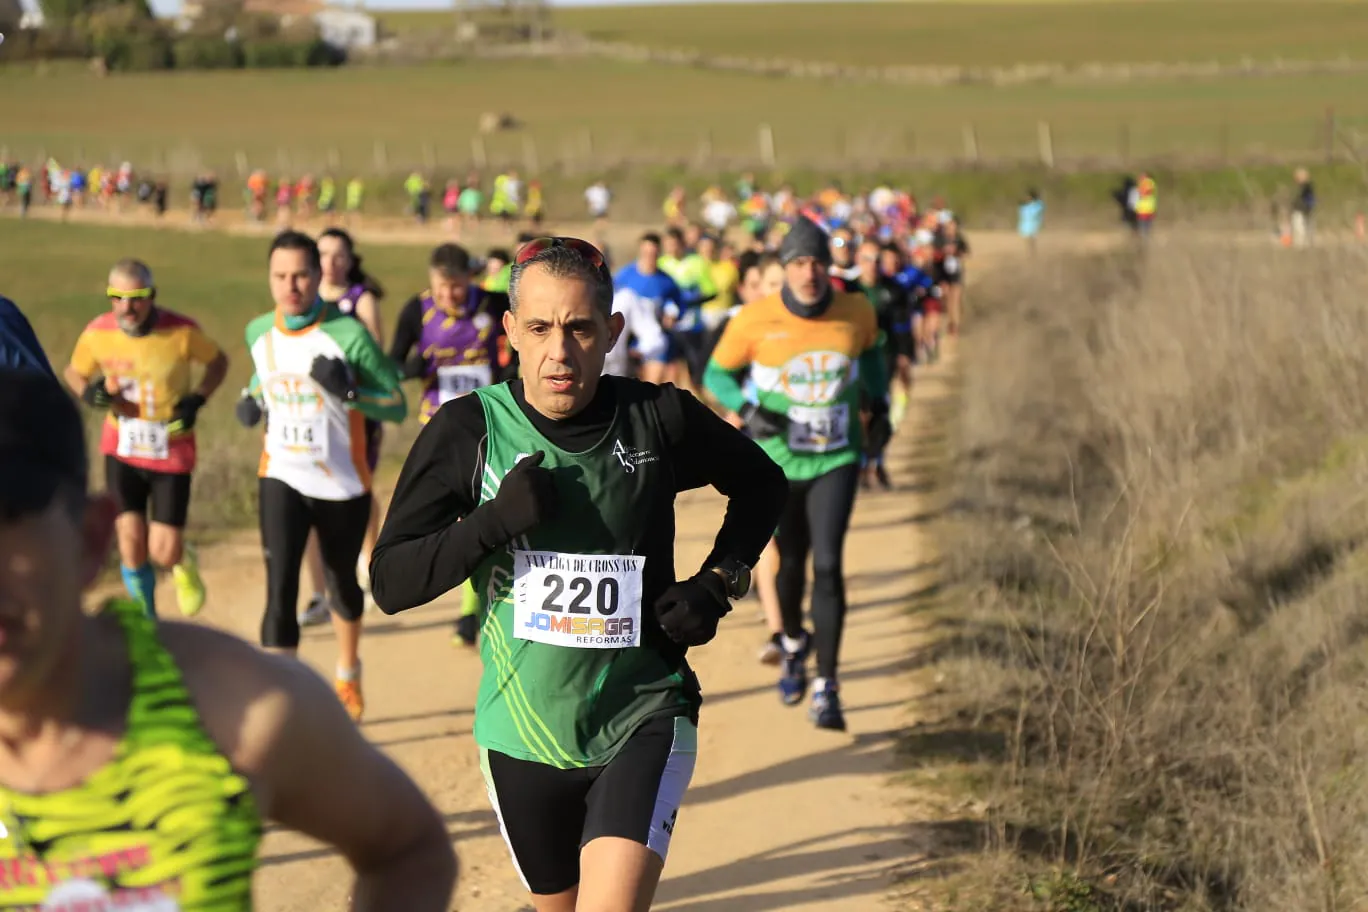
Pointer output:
138, 761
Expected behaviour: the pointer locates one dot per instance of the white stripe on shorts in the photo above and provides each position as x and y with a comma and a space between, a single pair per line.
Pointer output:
498, 813
674, 782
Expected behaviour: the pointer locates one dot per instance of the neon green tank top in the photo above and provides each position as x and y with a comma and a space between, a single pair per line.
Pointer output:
165, 826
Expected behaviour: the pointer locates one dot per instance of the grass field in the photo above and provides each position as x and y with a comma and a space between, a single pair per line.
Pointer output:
218, 280
974, 34
289, 121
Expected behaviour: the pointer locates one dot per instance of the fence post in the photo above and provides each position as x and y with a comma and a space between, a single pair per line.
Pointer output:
1329, 135
705, 149
477, 152
381, 157
239, 159
767, 153
530, 161
1046, 144
971, 144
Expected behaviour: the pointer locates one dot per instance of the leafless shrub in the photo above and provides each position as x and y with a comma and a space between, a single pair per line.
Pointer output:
1162, 465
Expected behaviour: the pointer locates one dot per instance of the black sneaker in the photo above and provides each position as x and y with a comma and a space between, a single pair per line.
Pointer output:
825, 711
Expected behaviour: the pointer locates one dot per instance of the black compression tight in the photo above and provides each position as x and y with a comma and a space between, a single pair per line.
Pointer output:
816, 519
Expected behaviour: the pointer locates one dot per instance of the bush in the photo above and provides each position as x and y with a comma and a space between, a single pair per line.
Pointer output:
1165, 600
206, 54
283, 54
136, 53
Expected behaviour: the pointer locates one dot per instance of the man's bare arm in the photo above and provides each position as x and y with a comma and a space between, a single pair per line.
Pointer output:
281, 726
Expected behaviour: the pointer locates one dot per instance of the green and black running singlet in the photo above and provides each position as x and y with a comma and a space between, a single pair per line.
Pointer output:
574, 660
167, 825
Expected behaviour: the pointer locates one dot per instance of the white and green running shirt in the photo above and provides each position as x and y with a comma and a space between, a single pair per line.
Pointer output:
315, 442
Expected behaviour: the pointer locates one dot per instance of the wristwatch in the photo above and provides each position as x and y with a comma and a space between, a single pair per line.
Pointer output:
736, 575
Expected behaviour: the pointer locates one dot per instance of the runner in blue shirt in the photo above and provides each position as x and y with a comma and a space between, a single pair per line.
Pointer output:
646, 279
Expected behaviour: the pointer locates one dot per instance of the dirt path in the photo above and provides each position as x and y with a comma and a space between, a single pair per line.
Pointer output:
780, 815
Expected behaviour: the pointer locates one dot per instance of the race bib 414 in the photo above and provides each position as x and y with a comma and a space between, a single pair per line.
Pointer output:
580, 601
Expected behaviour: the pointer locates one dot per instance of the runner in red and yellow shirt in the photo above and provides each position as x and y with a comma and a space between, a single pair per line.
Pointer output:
135, 361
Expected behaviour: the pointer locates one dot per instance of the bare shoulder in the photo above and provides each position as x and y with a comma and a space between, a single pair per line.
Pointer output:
244, 696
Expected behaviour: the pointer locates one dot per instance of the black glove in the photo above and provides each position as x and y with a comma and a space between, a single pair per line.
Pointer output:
334, 376
527, 496
880, 430
690, 610
95, 394
184, 414
248, 411
414, 366
762, 423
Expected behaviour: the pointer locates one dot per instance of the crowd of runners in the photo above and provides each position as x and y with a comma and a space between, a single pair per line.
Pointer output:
563, 406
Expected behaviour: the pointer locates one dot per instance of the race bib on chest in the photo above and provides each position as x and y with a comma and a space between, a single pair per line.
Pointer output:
581, 601
140, 439
457, 380
299, 439
818, 429
88, 896
952, 265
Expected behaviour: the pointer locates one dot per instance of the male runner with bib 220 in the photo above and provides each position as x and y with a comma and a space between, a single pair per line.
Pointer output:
555, 492
134, 362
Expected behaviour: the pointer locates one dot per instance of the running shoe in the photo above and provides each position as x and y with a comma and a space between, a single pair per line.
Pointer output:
467, 630
318, 612
772, 651
349, 692
825, 710
189, 585
884, 481
793, 680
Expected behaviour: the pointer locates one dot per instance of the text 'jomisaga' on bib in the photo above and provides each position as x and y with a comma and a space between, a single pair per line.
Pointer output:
581, 601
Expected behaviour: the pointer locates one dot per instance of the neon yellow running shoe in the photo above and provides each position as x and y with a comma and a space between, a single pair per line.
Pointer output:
189, 586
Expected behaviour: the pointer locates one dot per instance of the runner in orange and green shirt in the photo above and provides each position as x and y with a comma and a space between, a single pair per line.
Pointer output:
815, 357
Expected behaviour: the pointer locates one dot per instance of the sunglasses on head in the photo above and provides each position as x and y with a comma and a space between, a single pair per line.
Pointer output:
126, 294
542, 244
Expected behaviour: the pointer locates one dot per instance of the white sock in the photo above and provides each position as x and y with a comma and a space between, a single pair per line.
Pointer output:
791, 646
822, 685
349, 674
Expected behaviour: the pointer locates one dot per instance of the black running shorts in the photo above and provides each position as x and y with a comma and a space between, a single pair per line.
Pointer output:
133, 487
548, 814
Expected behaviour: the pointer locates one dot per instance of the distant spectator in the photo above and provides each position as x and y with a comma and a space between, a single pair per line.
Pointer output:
1031, 217
19, 348
1125, 199
1303, 208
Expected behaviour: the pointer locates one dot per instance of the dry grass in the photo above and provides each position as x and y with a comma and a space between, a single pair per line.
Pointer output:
1161, 605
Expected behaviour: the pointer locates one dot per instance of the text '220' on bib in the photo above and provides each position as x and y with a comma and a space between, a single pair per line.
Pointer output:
580, 601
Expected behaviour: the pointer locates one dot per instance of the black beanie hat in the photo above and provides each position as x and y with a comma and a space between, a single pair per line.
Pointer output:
805, 238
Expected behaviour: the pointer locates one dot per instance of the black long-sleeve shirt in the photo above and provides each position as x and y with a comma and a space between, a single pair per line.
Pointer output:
436, 532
